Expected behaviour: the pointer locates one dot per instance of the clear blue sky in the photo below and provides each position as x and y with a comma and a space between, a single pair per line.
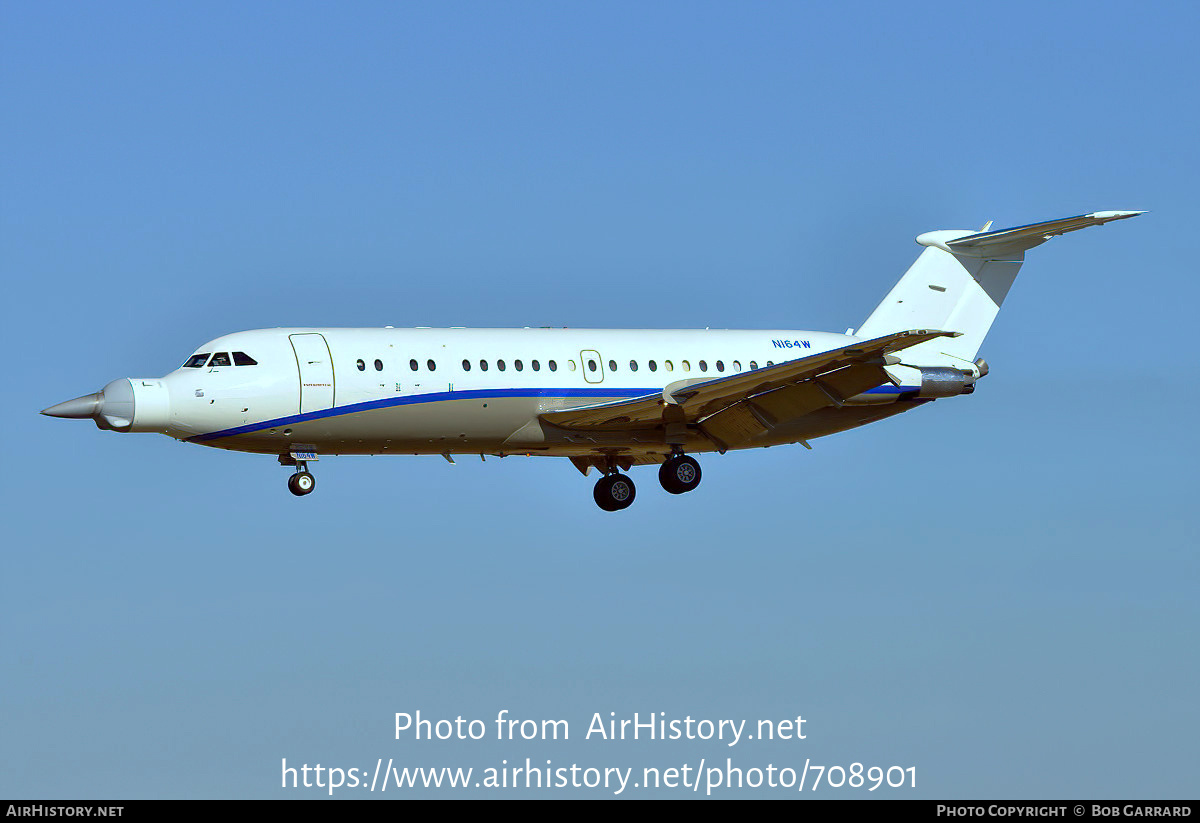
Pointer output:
999, 590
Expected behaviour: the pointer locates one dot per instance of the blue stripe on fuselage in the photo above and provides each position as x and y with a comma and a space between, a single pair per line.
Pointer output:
435, 397
431, 397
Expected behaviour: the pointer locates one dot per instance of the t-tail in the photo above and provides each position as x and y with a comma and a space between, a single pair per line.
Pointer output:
959, 283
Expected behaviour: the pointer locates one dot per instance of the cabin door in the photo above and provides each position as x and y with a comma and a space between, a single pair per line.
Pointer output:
316, 371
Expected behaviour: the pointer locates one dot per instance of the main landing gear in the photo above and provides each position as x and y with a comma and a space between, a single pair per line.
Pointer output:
679, 474
615, 491
302, 482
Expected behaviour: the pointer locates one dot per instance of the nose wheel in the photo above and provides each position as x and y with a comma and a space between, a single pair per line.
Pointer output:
301, 483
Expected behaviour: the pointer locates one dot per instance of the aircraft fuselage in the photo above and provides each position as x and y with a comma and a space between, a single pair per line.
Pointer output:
457, 391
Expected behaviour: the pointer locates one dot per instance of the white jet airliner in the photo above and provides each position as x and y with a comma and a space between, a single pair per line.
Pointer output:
611, 398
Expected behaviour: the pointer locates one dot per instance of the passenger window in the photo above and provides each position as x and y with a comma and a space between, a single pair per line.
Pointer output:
571, 364
431, 365
517, 365
466, 365
653, 366
553, 366
361, 366
753, 365
591, 364
412, 364
703, 365
612, 365
633, 365
536, 366
221, 358
770, 364
378, 365
669, 365
685, 365
737, 365
240, 358
483, 365
720, 365
196, 361
500, 365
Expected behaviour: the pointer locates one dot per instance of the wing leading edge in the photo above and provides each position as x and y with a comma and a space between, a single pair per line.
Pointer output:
735, 408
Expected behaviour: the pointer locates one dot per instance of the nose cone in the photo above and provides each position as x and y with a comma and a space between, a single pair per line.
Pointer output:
81, 408
123, 405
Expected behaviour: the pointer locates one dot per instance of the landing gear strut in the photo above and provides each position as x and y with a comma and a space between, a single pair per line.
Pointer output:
302, 482
679, 474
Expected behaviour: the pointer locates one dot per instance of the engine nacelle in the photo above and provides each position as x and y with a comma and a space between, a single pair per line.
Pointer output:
942, 381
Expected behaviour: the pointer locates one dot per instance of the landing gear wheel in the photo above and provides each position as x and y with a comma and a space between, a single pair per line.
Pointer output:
679, 474
301, 483
614, 492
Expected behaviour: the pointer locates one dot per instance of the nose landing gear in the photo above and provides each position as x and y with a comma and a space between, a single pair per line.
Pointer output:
302, 482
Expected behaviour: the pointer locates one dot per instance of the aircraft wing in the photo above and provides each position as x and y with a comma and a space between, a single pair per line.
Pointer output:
737, 407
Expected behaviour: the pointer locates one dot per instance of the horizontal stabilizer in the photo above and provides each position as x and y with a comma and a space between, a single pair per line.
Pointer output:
1020, 238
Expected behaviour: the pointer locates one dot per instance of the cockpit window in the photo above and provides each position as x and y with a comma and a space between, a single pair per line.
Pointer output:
240, 358
196, 361
221, 358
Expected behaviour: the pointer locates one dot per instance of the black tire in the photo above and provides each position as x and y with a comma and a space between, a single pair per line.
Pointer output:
301, 483
679, 474
614, 492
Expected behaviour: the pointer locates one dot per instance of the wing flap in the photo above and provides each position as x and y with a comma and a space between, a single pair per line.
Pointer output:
735, 425
790, 402
758, 414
